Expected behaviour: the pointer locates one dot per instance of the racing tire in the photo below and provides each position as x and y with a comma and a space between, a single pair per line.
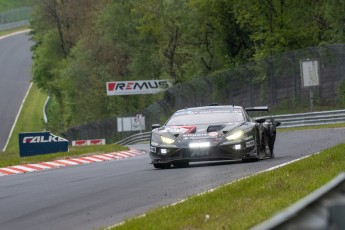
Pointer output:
162, 166
267, 147
257, 150
181, 164
271, 145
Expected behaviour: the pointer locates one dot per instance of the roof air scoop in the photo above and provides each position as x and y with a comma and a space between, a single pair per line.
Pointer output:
215, 128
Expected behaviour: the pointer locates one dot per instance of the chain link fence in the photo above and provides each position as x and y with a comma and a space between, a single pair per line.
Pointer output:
274, 81
15, 18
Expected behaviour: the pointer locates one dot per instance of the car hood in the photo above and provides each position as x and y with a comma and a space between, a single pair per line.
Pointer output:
186, 132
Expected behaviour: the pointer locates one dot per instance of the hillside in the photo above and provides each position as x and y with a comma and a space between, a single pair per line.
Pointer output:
82, 44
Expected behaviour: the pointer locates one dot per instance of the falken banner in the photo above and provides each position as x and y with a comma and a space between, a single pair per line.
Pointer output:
137, 87
37, 143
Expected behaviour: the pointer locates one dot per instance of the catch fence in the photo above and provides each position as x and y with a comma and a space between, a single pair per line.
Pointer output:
274, 81
15, 18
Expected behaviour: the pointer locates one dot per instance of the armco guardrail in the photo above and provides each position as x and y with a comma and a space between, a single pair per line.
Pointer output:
136, 138
312, 118
320, 210
15, 18
13, 25
287, 121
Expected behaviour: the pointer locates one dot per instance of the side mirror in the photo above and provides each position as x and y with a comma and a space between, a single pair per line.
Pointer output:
260, 120
155, 126
278, 123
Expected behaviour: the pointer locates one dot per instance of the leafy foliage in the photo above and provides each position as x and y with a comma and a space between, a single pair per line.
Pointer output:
82, 44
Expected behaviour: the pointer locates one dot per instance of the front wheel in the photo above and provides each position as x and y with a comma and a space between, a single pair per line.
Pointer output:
268, 150
162, 166
181, 164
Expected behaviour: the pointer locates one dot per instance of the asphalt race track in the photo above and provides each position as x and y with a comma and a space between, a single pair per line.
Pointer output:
102, 194
15, 76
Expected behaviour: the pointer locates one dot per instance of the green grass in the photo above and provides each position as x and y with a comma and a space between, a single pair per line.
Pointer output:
326, 126
11, 31
285, 109
31, 120
12, 4
248, 202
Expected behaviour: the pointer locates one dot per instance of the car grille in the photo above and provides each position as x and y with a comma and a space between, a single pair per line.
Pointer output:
188, 153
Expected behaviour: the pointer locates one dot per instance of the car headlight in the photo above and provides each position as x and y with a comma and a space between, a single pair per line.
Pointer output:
235, 136
167, 140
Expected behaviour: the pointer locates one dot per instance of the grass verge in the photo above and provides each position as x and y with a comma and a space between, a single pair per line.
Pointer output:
326, 126
31, 120
247, 202
11, 31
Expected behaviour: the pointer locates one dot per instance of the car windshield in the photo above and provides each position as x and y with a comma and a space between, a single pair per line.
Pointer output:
205, 117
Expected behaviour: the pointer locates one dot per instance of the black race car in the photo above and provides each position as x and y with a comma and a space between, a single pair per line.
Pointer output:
212, 133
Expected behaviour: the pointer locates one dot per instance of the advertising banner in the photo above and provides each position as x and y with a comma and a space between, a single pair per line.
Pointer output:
88, 142
37, 143
310, 73
310, 77
137, 87
125, 124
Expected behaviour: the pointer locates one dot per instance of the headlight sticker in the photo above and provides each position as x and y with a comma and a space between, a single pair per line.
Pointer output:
250, 144
248, 138
153, 149
154, 143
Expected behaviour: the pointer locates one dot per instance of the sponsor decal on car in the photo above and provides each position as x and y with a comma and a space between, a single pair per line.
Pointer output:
180, 129
250, 144
248, 138
167, 146
193, 136
213, 134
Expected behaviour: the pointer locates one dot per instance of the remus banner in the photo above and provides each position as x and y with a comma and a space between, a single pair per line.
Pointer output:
137, 87
37, 143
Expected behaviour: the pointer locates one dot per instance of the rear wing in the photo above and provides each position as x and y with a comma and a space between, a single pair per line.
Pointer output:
257, 108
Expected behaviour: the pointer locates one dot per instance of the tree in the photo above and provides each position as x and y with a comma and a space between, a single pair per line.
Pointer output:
279, 25
335, 18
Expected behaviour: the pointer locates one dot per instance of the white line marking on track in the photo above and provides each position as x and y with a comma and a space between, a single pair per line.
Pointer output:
13, 34
214, 189
15, 121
